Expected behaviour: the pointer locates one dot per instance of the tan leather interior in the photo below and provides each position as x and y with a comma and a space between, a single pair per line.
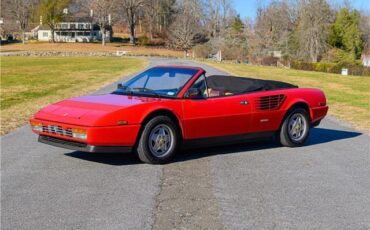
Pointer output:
218, 92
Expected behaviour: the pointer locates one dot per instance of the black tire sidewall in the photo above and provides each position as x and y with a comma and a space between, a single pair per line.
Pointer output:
143, 149
285, 138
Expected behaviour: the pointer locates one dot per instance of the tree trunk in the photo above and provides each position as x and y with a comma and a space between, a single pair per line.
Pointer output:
23, 37
52, 35
132, 34
151, 30
313, 55
103, 37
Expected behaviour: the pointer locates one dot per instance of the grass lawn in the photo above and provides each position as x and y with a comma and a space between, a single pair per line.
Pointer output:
348, 96
29, 83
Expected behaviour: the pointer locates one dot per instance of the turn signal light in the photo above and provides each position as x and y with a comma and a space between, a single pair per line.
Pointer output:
122, 122
79, 133
36, 126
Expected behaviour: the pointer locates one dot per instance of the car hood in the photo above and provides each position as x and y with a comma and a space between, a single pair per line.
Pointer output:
98, 110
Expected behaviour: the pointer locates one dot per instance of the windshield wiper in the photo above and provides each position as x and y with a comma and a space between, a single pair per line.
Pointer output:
122, 89
147, 90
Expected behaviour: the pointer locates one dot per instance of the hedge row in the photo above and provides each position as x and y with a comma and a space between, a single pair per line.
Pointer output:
353, 69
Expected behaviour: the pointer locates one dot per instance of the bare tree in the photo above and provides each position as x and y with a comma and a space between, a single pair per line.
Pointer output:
102, 13
273, 26
8, 26
52, 13
22, 11
185, 26
218, 15
314, 20
131, 11
151, 11
365, 28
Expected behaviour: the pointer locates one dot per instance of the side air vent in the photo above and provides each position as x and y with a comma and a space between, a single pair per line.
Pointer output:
272, 102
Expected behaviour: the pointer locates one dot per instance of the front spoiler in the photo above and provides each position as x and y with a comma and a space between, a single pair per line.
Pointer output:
83, 147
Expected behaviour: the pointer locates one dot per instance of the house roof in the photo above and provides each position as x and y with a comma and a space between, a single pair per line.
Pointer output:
46, 27
43, 27
77, 19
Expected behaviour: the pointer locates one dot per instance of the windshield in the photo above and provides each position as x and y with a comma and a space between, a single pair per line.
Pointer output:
158, 81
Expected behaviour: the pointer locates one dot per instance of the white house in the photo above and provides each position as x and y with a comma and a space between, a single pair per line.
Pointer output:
365, 58
79, 30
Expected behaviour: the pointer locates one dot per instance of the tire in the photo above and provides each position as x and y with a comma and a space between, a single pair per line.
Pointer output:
158, 141
294, 132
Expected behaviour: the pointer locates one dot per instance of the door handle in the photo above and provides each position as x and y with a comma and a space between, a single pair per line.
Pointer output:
244, 102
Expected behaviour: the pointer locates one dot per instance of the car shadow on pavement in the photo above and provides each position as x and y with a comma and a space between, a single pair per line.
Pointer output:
317, 136
115, 159
322, 135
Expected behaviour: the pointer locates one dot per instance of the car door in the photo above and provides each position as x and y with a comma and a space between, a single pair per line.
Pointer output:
215, 116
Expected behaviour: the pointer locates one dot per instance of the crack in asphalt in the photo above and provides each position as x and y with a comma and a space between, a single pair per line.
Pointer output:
186, 199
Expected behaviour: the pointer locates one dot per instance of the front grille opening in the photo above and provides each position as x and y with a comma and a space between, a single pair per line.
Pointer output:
58, 130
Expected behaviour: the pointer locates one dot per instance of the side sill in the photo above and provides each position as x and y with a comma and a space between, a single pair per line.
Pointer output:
226, 140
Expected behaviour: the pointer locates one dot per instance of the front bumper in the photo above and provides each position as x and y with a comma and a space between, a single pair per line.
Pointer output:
99, 139
83, 147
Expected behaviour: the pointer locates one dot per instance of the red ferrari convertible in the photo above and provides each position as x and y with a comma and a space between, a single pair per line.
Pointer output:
167, 107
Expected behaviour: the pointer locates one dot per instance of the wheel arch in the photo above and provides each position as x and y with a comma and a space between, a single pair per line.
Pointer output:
160, 112
294, 105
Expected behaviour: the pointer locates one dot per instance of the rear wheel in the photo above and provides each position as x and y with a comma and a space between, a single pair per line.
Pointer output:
158, 141
295, 128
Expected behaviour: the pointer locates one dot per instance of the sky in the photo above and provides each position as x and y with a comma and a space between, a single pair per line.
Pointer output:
247, 8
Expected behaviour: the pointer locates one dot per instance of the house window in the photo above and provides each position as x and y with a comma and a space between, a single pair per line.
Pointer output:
45, 34
88, 26
72, 26
64, 26
80, 26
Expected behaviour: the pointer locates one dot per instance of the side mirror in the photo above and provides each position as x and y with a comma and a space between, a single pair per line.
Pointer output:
193, 93
119, 86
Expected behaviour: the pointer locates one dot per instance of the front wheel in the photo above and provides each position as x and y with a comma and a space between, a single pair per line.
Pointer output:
295, 128
158, 141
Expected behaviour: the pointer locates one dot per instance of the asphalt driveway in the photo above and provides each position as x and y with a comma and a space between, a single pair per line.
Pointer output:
324, 185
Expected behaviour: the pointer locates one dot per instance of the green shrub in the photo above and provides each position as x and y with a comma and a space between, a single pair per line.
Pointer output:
337, 55
353, 68
143, 40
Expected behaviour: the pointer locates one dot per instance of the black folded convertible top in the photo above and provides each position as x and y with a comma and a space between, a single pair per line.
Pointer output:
238, 85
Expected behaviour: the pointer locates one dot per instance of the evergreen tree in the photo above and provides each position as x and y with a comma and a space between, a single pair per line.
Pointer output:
346, 34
